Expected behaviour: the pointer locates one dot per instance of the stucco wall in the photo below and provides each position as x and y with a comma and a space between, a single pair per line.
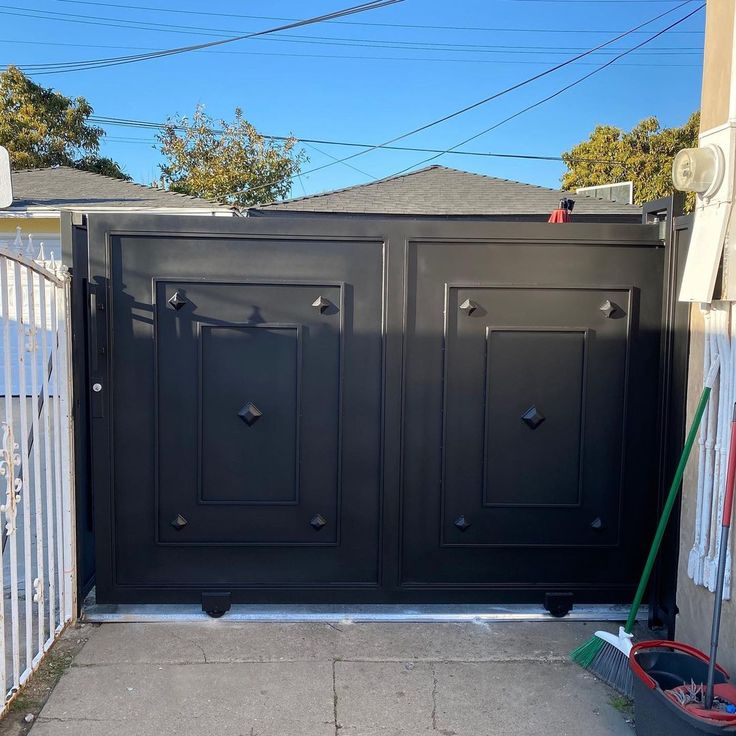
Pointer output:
717, 63
45, 225
695, 602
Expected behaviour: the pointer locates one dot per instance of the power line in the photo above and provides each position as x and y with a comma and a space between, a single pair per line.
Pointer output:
209, 13
497, 95
308, 39
140, 124
115, 61
553, 95
591, 1
145, 125
362, 57
334, 158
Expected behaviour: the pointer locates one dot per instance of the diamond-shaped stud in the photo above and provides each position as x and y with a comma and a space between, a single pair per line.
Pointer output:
317, 522
250, 413
462, 523
179, 523
608, 308
178, 300
532, 417
468, 306
596, 524
321, 303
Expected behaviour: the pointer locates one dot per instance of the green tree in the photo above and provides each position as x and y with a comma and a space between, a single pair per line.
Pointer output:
228, 162
643, 155
41, 127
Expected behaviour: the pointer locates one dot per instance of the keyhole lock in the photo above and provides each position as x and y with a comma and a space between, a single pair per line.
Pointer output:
97, 387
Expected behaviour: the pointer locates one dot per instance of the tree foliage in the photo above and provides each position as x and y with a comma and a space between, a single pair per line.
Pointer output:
41, 127
228, 162
643, 155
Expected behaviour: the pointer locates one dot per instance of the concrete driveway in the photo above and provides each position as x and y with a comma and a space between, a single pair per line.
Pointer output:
248, 679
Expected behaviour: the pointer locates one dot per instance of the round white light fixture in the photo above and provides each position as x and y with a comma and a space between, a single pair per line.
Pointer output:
698, 170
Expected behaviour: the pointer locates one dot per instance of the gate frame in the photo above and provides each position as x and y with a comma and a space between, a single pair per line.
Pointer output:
675, 226
672, 370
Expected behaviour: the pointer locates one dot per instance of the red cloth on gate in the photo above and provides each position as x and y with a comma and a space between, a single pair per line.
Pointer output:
560, 216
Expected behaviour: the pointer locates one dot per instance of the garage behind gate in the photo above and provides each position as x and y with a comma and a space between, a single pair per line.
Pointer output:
348, 410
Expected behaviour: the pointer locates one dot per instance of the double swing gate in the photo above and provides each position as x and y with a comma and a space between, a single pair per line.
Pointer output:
366, 410
37, 570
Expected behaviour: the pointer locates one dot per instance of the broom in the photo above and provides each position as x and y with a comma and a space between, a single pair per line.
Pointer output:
606, 655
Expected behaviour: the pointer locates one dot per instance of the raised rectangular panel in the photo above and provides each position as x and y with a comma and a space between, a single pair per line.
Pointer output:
249, 379
249, 413
535, 388
535, 381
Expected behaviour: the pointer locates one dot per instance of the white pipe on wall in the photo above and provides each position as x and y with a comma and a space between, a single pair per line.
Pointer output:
694, 558
719, 345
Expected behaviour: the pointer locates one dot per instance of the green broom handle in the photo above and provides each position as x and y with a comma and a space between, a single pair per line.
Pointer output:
671, 498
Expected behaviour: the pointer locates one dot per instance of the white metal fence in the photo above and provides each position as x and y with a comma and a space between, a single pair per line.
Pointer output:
37, 573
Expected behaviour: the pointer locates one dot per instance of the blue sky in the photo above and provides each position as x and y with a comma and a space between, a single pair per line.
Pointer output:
371, 78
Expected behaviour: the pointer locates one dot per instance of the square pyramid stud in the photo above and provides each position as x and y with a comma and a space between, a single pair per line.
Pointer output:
317, 522
321, 304
462, 523
178, 300
609, 309
179, 523
468, 306
250, 413
532, 417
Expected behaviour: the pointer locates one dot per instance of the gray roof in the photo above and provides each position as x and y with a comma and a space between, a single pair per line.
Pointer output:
439, 190
62, 187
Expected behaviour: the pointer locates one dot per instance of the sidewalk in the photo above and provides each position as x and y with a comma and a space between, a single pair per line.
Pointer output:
217, 678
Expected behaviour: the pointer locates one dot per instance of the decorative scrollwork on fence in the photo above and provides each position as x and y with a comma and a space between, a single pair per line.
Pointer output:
38, 596
9, 461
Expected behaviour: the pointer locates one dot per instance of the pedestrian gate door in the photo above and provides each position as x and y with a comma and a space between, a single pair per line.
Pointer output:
366, 410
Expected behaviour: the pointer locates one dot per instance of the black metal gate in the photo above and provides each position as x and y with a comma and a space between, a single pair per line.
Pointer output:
350, 410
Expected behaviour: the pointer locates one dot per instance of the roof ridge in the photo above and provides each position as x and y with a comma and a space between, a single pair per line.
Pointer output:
487, 177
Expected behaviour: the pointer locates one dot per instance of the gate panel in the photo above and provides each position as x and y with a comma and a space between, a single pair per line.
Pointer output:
242, 392
544, 437
362, 410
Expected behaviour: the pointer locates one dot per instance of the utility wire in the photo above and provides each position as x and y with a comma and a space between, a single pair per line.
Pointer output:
319, 40
560, 91
144, 125
115, 61
356, 57
334, 158
591, 1
349, 22
494, 96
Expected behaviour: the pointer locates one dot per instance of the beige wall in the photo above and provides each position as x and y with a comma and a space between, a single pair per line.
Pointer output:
717, 63
695, 602
31, 225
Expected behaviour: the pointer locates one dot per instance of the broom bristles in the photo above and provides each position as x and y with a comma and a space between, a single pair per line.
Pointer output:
607, 663
587, 652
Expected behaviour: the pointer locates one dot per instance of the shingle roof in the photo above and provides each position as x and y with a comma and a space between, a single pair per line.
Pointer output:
62, 187
439, 190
